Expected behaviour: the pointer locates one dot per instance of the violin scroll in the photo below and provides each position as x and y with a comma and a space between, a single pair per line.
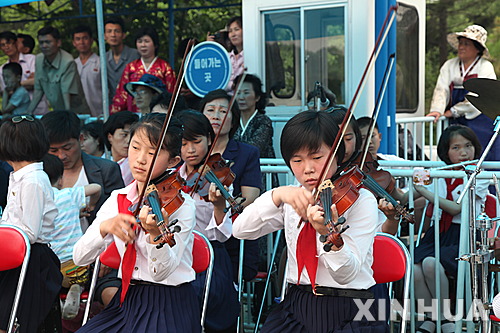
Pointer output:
164, 192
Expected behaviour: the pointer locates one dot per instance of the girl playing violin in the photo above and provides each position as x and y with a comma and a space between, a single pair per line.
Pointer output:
330, 281
213, 221
160, 296
245, 165
457, 144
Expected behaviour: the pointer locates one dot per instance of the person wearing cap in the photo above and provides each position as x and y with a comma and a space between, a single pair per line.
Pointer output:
148, 43
449, 93
144, 90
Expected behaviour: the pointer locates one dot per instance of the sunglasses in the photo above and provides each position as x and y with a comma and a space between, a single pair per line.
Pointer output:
18, 119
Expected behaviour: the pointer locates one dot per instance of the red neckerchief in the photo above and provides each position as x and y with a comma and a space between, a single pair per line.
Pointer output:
446, 218
306, 253
129, 257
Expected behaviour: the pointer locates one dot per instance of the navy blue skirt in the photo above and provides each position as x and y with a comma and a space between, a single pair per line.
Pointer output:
303, 312
223, 307
40, 290
150, 308
448, 244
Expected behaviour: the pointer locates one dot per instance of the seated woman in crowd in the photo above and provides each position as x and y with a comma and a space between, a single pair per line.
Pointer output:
144, 90
255, 127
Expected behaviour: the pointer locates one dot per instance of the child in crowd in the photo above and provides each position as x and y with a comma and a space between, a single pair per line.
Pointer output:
321, 297
16, 98
92, 139
30, 206
212, 221
457, 144
160, 295
117, 138
67, 230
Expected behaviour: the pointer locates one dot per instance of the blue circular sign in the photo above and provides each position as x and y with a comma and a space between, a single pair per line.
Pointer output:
209, 68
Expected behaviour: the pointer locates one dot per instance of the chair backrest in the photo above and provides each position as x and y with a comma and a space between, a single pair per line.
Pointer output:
203, 260
110, 257
12, 247
201, 253
15, 249
389, 259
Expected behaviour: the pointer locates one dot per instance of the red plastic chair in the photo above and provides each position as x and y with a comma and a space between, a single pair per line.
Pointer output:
15, 249
391, 263
203, 260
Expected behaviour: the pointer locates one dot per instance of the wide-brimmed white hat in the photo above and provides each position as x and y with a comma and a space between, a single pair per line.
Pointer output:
472, 32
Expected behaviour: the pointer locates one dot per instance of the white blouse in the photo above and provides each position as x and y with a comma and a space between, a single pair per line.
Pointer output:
168, 265
205, 219
30, 203
350, 267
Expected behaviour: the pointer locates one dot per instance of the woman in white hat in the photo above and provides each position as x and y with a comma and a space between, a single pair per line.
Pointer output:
449, 93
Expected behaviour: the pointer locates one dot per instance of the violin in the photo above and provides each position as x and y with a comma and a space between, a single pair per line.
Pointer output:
164, 192
217, 171
381, 183
342, 192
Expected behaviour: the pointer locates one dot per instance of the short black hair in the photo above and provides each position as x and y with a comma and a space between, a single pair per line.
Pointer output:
365, 122
25, 140
257, 88
82, 28
309, 130
96, 130
116, 20
14, 67
221, 93
151, 32
53, 167
28, 41
163, 100
49, 30
8, 35
116, 121
195, 124
450, 132
152, 123
61, 126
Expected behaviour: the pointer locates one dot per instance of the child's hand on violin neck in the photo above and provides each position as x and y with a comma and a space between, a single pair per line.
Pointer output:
316, 216
215, 196
297, 197
120, 226
149, 221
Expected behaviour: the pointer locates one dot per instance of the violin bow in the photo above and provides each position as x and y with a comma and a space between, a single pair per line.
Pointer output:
376, 110
389, 19
212, 146
170, 112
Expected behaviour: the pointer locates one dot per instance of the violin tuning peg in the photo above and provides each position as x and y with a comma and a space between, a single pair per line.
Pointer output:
341, 220
157, 238
172, 223
323, 238
343, 229
159, 246
327, 247
226, 210
177, 229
